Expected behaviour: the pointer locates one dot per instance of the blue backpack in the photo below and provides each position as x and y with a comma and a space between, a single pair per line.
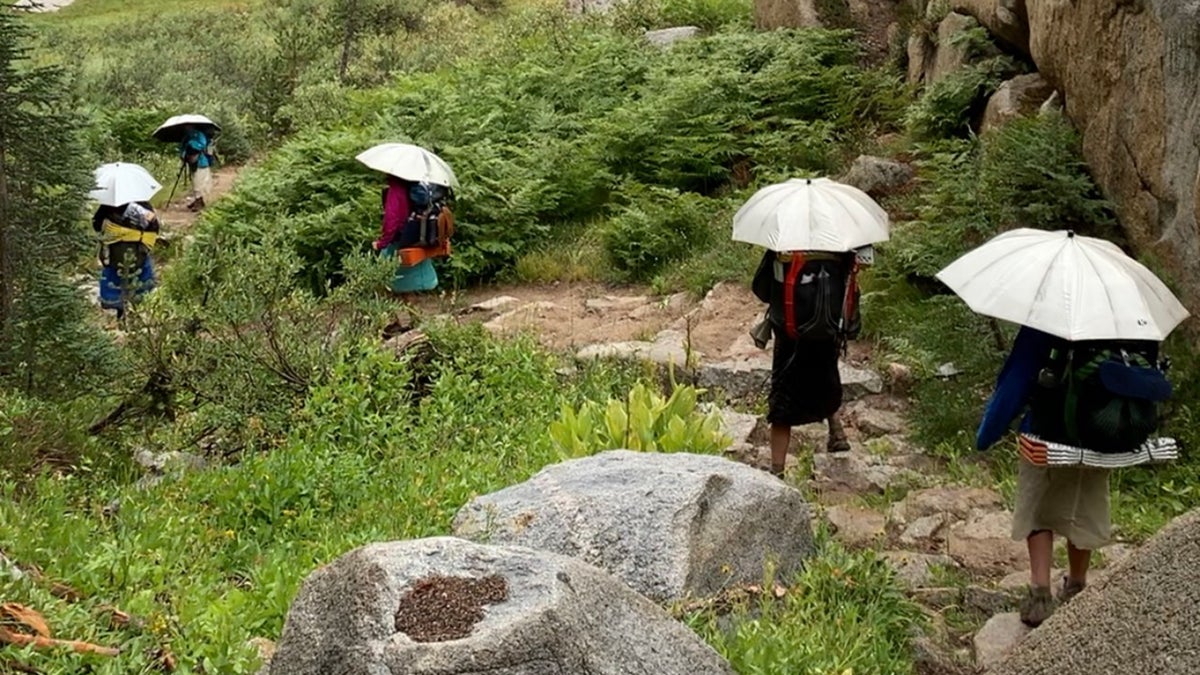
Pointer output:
427, 204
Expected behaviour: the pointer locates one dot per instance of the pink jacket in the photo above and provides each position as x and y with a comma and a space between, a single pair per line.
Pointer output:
395, 211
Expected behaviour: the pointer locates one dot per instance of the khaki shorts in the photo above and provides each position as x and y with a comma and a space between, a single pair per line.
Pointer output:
1072, 502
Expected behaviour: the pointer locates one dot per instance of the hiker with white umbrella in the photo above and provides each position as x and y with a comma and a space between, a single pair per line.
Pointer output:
817, 233
417, 221
195, 135
1086, 375
128, 228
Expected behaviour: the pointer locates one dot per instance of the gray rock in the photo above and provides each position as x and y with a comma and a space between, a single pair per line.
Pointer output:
560, 616
738, 426
1141, 617
668, 348
923, 530
874, 175
1116, 553
745, 377
611, 302
162, 463
856, 527
950, 57
857, 473
915, 570
999, 636
669, 36
1021, 96
1016, 583
875, 423
921, 53
947, 371
496, 304
953, 502
669, 525
989, 600
984, 543
772, 14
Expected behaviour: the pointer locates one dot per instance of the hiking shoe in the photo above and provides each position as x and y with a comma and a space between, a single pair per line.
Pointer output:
837, 437
1070, 589
1037, 606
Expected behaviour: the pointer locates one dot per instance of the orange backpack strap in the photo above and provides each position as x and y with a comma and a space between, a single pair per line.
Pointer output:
789, 294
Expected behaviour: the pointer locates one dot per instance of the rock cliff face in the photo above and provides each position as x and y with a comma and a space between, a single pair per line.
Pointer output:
1129, 72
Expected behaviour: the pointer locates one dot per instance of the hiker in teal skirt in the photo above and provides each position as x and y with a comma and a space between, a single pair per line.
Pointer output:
416, 272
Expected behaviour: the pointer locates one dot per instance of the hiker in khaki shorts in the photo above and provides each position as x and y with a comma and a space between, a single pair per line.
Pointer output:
1070, 501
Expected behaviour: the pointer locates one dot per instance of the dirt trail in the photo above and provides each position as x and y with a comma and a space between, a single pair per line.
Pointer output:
177, 219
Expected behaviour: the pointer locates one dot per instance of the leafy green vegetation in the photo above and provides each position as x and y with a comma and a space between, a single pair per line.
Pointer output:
544, 137
843, 613
643, 420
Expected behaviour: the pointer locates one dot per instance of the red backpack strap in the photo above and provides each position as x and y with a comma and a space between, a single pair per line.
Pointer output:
849, 306
789, 294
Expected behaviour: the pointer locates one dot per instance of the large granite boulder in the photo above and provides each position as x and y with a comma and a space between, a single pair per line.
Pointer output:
669, 525
1005, 19
1140, 617
1129, 73
449, 606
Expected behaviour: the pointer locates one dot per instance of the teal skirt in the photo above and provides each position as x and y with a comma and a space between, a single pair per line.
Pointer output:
414, 278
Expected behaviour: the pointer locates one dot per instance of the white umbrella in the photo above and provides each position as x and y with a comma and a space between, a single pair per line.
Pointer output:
1077, 288
810, 214
121, 183
171, 131
409, 162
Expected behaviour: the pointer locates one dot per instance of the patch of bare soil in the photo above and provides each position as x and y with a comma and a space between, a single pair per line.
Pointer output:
176, 218
567, 316
440, 608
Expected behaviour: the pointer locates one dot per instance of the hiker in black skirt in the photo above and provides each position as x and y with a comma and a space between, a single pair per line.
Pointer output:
808, 293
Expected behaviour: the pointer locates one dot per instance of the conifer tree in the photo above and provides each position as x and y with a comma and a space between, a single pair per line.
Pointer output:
46, 344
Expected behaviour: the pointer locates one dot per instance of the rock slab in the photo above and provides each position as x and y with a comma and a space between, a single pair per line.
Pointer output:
669, 525
560, 616
1140, 617
998, 636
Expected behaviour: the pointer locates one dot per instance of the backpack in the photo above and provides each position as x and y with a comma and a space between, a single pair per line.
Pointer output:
813, 295
429, 214
1101, 395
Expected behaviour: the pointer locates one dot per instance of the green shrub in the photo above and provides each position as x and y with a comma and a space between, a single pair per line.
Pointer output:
540, 137
643, 420
948, 106
843, 614
656, 227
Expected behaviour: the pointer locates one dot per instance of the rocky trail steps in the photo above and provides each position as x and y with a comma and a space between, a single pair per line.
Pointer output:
949, 542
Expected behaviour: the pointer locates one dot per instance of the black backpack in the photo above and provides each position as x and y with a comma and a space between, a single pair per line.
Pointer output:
810, 302
1100, 395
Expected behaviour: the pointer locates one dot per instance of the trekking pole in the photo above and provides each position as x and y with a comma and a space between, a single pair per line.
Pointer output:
178, 176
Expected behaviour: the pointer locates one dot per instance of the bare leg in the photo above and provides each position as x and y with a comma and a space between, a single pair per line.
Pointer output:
781, 436
1041, 551
1079, 561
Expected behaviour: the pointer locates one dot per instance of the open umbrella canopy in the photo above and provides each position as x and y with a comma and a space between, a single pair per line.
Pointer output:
171, 131
1074, 287
810, 214
409, 162
121, 183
